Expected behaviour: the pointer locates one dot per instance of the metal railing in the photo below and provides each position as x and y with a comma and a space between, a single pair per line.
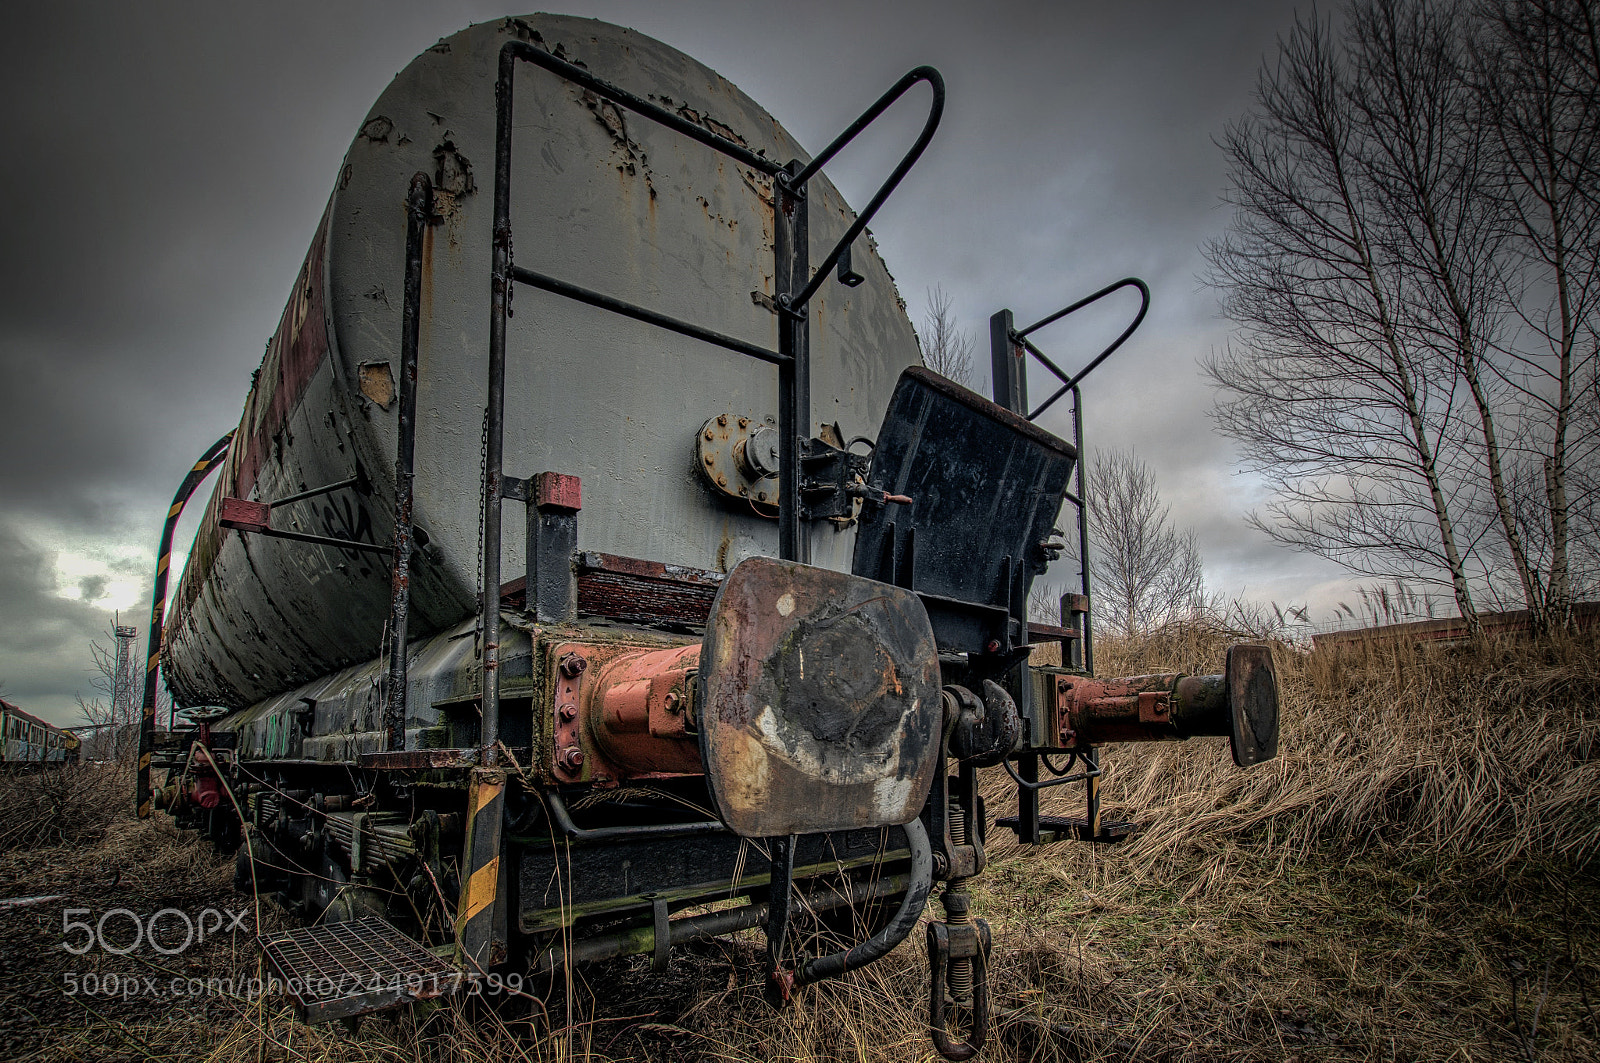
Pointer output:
792, 281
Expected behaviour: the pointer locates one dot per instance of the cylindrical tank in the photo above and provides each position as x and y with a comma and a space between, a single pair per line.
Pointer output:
600, 197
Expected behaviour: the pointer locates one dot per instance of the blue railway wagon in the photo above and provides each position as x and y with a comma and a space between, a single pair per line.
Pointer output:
26, 739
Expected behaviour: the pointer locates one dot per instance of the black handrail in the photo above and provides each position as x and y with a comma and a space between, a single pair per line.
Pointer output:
419, 213
562, 819
1069, 383
922, 73
791, 268
791, 358
578, 75
214, 456
577, 293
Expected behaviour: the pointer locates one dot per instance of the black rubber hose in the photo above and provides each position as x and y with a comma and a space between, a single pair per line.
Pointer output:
883, 942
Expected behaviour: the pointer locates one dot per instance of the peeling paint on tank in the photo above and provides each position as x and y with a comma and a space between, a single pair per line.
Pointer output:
377, 382
377, 129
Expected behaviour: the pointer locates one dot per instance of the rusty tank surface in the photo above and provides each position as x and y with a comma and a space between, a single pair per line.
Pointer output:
595, 568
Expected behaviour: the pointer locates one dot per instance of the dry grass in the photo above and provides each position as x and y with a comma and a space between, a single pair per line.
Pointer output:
1415, 878
68, 805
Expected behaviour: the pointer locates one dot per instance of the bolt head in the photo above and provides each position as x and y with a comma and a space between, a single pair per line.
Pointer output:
993, 647
572, 665
567, 712
572, 758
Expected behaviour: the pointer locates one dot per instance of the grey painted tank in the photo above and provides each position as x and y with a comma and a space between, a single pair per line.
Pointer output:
601, 198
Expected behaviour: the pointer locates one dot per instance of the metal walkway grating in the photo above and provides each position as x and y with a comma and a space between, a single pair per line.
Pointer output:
338, 970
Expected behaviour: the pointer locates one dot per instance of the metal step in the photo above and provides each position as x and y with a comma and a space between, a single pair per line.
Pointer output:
1063, 828
338, 970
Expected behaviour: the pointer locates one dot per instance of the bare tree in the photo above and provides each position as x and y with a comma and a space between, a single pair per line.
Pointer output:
1411, 265
946, 348
1146, 572
1044, 602
1333, 401
113, 714
1537, 81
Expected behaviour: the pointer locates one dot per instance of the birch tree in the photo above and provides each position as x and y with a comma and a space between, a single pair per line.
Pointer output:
1411, 267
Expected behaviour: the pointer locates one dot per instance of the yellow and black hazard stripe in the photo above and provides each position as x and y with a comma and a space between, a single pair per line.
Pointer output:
158, 605
481, 911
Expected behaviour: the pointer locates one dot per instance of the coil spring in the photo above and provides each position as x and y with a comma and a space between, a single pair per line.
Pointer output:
957, 912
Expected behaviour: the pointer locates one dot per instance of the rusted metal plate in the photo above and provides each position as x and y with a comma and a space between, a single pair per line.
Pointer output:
1253, 703
245, 515
634, 591
821, 708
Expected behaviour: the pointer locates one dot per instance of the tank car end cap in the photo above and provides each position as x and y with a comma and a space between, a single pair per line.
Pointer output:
820, 709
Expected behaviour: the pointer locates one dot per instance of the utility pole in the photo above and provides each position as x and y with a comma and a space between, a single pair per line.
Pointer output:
122, 687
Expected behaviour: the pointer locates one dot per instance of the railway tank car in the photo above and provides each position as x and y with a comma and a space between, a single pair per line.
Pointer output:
593, 547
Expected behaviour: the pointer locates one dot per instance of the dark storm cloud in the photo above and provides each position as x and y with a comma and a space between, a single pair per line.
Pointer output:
169, 163
44, 638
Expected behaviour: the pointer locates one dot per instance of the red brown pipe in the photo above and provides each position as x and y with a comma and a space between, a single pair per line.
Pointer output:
1142, 708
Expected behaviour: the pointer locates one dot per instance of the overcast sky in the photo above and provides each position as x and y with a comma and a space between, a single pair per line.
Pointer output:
170, 162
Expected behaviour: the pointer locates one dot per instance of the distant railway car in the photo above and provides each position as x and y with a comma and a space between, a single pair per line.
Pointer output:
27, 740
581, 312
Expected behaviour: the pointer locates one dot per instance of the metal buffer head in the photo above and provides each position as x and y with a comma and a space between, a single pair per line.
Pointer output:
1242, 704
821, 705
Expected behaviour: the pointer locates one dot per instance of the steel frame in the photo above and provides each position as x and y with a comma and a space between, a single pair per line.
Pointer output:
791, 277
1010, 380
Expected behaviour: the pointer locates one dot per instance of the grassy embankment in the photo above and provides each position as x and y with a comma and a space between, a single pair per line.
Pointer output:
1414, 878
